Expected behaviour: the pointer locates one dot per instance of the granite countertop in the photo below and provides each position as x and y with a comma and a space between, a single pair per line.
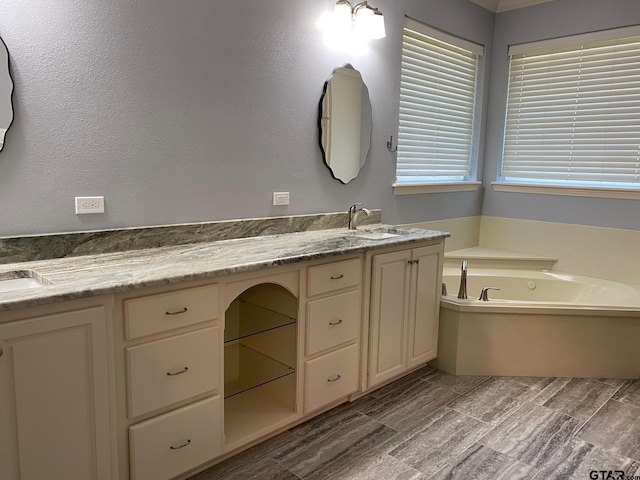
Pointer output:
85, 276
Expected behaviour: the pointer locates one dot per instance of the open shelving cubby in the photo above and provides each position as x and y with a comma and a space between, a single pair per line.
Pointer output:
259, 361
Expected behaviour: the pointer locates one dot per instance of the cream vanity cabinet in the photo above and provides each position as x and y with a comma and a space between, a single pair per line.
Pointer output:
404, 309
332, 337
291, 345
169, 364
207, 369
54, 392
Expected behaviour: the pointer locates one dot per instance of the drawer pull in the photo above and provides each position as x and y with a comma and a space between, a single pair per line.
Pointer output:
334, 379
337, 277
173, 374
185, 444
178, 312
336, 323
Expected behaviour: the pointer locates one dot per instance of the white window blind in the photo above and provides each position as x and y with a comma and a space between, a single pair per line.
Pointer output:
437, 106
573, 113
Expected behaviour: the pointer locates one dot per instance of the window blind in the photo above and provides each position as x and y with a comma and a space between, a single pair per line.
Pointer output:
573, 115
437, 106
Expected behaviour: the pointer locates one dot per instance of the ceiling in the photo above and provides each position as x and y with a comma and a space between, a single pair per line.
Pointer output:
504, 5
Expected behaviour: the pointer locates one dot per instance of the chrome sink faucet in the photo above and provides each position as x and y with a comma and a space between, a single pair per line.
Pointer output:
354, 211
462, 293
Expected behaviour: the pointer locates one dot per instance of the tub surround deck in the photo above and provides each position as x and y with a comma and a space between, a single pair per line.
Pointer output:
495, 258
104, 273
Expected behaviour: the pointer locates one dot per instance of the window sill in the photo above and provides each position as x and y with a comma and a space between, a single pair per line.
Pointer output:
573, 191
399, 189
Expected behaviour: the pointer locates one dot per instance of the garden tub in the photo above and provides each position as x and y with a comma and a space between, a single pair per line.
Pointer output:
540, 323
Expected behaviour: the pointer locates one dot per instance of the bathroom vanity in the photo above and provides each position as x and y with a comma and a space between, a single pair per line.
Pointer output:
158, 363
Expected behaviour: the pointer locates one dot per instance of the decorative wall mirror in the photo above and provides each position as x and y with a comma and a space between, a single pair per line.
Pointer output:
345, 123
6, 90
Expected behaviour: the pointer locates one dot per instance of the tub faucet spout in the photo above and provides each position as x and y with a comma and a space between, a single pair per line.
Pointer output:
462, 293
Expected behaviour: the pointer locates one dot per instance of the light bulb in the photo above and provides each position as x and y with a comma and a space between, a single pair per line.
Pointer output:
363, 21
343, 16
377, 26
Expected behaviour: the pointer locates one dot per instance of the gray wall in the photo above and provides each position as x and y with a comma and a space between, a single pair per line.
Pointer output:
196, 111
548, 20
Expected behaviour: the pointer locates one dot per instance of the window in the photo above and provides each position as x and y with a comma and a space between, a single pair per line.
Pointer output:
573, 114
438, 84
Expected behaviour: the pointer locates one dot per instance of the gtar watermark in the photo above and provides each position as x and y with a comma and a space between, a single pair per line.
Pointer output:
611, 475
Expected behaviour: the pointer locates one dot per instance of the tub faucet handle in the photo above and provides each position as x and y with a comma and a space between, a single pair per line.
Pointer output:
484, 294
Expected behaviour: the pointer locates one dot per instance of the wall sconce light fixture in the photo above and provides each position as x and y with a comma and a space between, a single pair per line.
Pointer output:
362, 19
350, 28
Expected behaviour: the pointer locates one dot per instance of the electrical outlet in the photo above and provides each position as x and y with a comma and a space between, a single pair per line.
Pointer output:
281, 198
86, 205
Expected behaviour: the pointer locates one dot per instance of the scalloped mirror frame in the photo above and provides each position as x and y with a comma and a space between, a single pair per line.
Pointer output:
345, 123
6, 93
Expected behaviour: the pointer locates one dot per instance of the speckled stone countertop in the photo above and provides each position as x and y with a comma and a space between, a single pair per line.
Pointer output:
84, 276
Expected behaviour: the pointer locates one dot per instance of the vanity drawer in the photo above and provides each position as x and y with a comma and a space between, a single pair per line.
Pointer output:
333, 276
167, 311
331, 377
167, 371
332, 321
175, 442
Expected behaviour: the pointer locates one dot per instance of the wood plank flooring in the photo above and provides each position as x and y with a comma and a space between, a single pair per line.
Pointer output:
431, 425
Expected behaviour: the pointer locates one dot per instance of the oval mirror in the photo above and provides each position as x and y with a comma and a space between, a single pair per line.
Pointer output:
6, 89
345, 123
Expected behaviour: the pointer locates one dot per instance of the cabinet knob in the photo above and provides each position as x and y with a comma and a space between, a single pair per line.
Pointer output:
334, 379
336, 323
178, 447
177, 312
180, 372
337, 277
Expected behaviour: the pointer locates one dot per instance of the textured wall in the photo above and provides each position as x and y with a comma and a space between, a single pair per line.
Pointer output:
196, 111
548, 20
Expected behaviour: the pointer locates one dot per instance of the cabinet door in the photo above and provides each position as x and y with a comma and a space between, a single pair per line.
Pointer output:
426, 278
54, 417
389, 312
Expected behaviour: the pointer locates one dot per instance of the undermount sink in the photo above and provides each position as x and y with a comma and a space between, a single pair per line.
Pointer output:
381, 233
12, 281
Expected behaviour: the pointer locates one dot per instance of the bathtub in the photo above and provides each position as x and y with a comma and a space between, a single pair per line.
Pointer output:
540, 323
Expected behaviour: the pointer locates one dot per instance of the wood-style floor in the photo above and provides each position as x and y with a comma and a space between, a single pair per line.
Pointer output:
431, 425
